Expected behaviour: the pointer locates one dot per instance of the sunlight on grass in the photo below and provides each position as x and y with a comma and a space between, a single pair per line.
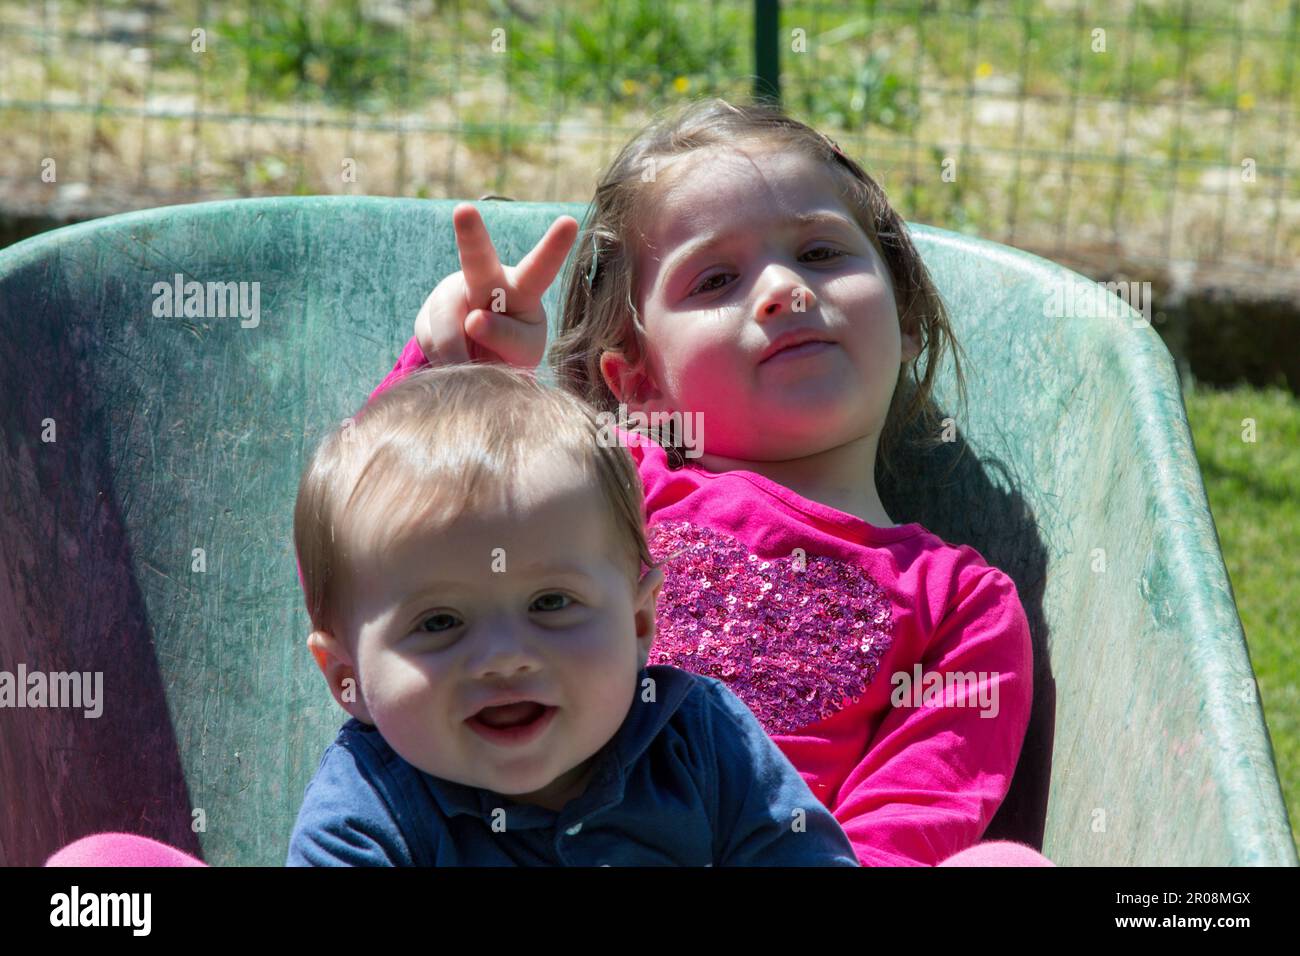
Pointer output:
1254, 495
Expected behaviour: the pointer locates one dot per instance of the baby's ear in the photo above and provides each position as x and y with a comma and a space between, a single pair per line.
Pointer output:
647, 597
336, 664
651, 584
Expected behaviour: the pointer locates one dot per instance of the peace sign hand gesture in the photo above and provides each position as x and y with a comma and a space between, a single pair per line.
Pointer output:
487, 311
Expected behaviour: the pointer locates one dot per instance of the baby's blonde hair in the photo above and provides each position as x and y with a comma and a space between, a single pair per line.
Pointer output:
440, 441
602, 286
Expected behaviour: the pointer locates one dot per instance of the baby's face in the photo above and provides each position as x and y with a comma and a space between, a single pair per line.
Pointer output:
712, 312
530, 602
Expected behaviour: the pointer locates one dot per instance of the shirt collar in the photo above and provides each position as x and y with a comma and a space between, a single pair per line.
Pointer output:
665, 686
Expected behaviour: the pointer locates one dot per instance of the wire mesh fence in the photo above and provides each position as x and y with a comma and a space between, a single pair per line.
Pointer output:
1147, 132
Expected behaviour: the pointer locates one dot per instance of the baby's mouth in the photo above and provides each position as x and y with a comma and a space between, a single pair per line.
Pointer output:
511, 715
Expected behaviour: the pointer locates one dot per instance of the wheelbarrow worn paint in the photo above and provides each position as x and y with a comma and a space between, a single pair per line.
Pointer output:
149, 465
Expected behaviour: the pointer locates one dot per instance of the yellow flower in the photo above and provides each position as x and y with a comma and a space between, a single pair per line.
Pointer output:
984, 69
629, 87
681, 84
1246, 101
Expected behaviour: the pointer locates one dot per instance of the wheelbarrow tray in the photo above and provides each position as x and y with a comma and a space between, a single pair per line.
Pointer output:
150, 460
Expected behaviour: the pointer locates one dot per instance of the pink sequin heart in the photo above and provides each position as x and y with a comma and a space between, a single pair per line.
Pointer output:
794, 643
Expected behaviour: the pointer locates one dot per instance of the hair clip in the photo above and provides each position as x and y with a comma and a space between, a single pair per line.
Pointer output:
671, 450
595, 257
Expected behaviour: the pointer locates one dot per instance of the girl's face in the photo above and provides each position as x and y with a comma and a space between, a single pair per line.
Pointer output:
751, 247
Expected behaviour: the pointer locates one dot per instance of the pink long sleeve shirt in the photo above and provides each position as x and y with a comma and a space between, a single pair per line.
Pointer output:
893, 669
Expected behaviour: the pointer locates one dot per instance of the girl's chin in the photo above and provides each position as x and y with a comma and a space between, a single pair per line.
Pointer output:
766, 450
792, 433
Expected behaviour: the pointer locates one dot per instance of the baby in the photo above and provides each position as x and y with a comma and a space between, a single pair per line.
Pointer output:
482, 602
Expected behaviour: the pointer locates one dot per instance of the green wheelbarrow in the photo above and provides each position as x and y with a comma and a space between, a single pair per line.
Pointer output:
150, 461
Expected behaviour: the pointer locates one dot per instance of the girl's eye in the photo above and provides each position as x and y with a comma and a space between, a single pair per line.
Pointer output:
834, 252
704, 286
555, 601
435, 623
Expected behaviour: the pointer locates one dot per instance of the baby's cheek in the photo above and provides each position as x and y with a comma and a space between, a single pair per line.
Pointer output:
601, 668
412, 720
397, 691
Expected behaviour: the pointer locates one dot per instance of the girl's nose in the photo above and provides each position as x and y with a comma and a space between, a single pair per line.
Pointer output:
787, 295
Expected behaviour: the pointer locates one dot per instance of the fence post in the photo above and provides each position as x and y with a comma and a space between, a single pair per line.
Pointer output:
767, 50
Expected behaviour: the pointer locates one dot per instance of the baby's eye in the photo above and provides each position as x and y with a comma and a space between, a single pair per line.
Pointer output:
435, 623
554, 601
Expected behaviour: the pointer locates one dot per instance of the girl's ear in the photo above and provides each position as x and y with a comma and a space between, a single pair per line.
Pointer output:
911, 346
628, 382
911, 341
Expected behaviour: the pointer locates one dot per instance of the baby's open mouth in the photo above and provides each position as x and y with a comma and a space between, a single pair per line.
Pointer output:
511, 715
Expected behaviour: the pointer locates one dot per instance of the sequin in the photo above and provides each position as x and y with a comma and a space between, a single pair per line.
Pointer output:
794, 659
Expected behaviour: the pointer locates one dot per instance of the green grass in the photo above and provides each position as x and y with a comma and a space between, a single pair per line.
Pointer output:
1252, 488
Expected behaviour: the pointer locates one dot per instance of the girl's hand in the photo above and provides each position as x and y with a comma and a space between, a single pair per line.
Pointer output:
457, 323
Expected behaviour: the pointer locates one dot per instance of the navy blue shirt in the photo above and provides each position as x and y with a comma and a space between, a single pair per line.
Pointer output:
690, 779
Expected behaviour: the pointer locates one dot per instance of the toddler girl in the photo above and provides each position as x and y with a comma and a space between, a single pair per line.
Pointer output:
742, 279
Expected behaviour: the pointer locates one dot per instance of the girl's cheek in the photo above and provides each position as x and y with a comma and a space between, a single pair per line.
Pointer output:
867, 296
681, 367
708, 351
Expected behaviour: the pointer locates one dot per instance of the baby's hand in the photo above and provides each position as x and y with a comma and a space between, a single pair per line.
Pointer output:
457, 323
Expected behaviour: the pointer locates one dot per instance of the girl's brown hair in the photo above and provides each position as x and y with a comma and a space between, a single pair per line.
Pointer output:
440, 441
602, 285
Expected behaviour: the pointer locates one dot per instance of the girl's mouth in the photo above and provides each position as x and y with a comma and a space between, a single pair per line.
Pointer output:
797, 351
796, 343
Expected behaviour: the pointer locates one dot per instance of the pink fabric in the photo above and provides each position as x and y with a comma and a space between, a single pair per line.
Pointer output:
124, 849
120, 849
998, 853
410, 360
911, 785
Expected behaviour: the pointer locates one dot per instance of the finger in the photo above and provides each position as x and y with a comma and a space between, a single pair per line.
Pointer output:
478, 257
514, 342
431, 340
537, 270
424, 328
452, 351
